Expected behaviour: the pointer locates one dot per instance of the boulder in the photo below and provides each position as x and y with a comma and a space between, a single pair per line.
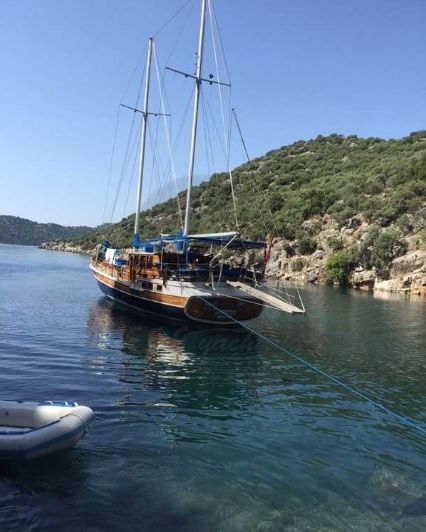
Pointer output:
352, 223
410, 262
312, 276
390, 285
363, 279
318, 255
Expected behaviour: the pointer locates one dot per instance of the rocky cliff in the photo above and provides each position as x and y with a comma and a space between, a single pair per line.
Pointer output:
405, 273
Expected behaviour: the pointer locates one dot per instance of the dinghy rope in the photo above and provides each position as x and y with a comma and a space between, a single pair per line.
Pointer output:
352, 390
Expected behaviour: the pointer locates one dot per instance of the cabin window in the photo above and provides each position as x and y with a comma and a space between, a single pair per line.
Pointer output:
149, 286
159, 287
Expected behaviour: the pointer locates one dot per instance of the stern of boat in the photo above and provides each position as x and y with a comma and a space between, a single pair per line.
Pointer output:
222, 310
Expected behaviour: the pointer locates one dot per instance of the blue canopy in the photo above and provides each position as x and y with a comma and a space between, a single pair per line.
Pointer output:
230, 239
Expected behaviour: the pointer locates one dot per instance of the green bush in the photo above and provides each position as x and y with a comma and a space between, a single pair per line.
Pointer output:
379, 248
305, 243
276, 202
335, 243
297, 264
338, 268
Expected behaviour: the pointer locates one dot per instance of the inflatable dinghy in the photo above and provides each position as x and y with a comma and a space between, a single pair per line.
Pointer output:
30, 430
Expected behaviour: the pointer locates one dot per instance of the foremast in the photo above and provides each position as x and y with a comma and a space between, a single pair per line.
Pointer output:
136, 238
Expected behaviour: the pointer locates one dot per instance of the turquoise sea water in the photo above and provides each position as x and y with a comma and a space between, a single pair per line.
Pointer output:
213, 430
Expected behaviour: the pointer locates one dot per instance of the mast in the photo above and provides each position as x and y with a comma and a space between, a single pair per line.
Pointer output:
143, 142
195, 116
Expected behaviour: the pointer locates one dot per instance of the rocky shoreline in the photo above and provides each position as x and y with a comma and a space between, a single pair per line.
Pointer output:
59, 245
406, 273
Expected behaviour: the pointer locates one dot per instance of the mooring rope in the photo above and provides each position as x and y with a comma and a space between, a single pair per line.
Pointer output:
337, 381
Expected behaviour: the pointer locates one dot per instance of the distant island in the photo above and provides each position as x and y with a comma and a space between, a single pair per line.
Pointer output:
15, 230
342, 210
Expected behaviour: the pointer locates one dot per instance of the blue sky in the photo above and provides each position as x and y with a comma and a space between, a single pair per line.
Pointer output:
298, 69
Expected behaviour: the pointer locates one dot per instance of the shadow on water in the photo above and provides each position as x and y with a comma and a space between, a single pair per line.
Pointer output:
32, 477
32, 493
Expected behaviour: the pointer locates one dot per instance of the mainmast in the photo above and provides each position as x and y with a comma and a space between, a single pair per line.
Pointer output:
195, 116
143, 142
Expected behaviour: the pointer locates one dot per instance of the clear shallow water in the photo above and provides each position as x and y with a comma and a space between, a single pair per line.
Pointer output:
212, 430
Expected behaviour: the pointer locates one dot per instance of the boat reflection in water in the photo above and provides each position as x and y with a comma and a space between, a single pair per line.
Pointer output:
174, 365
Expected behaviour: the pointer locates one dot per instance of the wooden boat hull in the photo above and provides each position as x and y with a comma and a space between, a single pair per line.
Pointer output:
141, 304
210, 309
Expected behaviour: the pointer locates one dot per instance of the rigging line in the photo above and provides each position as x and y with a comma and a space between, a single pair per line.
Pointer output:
254, 177
279, 293
138, 62
210, 173
295, 356
111, 164
129, 150
219, 87
156, 166
234, 198
204, 105
257, 193
216, 25
209, 144
210, 113
181, 126
184, 117
134, 147
226, 138
179, 35
216, 128
241, 134
150, 196
128, 187
161, 194
172, 18
135, 158
167, 132
211, 168
226, 154
155, 145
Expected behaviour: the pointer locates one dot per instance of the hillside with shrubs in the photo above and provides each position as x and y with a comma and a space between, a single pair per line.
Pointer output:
341, 209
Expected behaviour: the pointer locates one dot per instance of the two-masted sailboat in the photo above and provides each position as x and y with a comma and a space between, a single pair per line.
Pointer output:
184, 275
